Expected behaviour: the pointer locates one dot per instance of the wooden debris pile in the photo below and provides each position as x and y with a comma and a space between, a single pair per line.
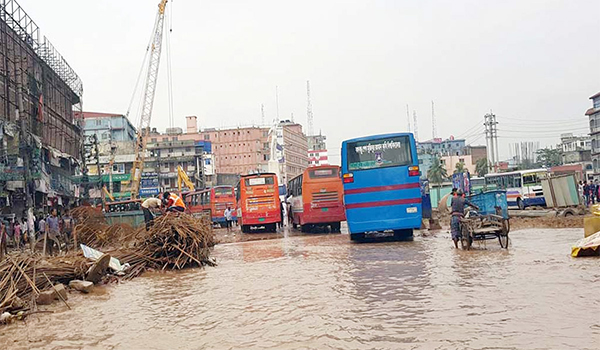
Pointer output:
22, 277
174, 241
93, 230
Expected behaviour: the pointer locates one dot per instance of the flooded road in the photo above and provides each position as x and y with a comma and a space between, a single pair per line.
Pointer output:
324, 292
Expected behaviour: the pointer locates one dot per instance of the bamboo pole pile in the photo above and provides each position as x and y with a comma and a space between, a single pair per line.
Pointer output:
93, 230
22, 277
174, 241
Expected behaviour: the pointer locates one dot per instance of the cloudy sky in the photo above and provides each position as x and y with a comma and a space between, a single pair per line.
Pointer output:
533, 63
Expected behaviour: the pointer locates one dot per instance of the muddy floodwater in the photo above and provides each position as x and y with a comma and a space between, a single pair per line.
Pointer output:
324, 292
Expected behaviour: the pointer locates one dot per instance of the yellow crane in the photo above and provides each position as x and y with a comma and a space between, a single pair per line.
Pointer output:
143, 131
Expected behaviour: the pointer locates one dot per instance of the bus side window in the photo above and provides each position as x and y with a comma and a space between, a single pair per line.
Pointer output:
518, 181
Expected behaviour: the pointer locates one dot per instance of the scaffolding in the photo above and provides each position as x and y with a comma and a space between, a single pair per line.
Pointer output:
18, 20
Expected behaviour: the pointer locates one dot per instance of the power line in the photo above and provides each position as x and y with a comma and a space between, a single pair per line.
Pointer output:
473, 127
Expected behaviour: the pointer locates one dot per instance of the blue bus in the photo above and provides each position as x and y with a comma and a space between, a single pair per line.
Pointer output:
382, 194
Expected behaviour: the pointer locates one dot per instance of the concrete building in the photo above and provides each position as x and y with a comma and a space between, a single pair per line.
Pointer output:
295, 147
160, 166
238, 150
107, 127
575, 149
317, 150
446, 147
593, 114
449, 162
41, 147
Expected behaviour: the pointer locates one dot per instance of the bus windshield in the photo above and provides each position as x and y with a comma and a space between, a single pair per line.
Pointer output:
323, 173
258, 181
380, 153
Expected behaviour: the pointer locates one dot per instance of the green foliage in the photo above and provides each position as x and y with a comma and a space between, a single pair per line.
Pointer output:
460, 168
437, 172
549, 157
481, 167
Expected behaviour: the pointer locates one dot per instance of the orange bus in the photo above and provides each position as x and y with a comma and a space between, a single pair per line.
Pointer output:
211, 202
258, 202
317, 198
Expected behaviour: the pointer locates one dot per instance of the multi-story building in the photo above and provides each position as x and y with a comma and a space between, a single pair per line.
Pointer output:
160, 166
594, 116
107, 127
295, 148
249, 149
238, 150
166, 156
317, 150
447, 147
449, 162
41, 148
575, 149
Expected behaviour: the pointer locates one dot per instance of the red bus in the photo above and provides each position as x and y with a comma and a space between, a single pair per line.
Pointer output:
258, 202
211, 202
317, 198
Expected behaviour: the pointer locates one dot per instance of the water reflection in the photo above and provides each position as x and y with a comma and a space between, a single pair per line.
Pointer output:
323, 292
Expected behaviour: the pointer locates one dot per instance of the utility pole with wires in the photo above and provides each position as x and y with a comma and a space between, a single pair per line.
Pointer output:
433, 126
309, 113
491, 138
415, 125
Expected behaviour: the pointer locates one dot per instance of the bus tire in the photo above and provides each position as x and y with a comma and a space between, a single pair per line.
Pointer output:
294, 225
305, 228
336, 227
245, 229
357, 237
520, 204
403, 235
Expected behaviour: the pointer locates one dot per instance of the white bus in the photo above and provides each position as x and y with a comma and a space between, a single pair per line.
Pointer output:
523, 187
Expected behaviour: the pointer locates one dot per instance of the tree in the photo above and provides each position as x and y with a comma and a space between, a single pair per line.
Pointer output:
460, 168
437, 174
549, 157
481, 167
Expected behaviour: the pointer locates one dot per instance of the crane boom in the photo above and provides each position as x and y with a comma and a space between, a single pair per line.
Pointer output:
148, 102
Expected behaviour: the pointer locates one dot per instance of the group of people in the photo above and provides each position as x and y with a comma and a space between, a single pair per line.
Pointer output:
170, 202
29, 230
590, 192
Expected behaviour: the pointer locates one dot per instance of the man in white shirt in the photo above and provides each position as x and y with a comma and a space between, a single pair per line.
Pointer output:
150, 203
228, 213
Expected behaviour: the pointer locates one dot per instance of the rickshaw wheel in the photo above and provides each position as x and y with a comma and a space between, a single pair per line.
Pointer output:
465, 237
503, 236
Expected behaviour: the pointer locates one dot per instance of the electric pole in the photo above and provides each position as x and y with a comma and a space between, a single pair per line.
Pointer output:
415, 125
309, 113
491, 138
